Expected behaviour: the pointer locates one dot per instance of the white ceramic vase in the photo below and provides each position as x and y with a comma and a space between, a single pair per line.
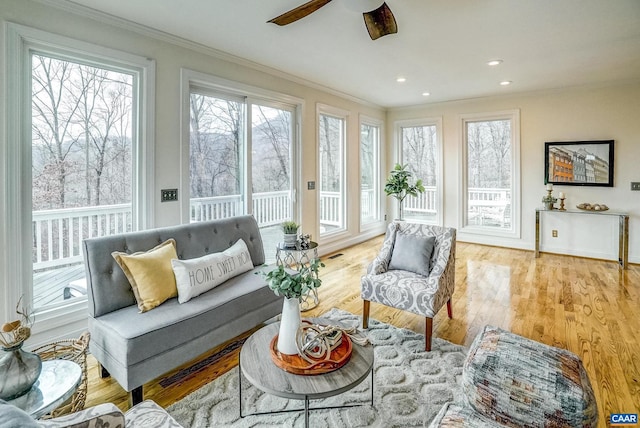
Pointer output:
289, 326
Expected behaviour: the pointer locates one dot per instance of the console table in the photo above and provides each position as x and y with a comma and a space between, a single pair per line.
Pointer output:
623, 231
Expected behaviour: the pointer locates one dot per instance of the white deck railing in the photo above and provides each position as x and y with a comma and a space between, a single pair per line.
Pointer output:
424, 203
58, 234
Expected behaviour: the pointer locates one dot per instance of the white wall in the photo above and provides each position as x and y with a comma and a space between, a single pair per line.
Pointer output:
593, 113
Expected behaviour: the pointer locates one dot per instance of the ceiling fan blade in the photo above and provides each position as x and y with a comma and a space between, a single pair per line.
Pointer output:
380, 22
299, 12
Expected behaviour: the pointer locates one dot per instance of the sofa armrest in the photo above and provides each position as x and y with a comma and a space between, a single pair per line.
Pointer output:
101, 415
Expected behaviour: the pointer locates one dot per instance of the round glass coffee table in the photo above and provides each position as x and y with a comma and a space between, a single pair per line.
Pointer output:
256, 365
57, 382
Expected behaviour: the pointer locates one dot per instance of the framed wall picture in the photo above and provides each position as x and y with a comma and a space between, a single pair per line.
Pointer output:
579, 163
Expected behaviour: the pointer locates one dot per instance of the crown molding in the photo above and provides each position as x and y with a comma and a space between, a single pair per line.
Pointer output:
86, 12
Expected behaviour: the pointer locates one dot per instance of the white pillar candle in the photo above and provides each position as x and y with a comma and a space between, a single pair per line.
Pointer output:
549, 186
561, 195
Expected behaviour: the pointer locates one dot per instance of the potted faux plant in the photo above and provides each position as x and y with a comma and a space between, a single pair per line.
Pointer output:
292, 285
290, 233
398, 185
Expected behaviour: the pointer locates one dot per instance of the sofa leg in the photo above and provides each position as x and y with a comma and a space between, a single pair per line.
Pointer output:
428, 330
365, 313
102, 372
135, 396
449, 311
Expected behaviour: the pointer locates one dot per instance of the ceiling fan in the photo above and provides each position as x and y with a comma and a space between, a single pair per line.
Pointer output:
379, 22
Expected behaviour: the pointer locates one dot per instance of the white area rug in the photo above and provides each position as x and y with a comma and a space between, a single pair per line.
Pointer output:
411, 386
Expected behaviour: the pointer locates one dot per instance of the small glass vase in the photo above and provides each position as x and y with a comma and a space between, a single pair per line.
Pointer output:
19, 370
289, 326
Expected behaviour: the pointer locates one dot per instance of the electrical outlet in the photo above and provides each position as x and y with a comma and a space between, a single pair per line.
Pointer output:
554, 233
168, 195
635, 185
311, 185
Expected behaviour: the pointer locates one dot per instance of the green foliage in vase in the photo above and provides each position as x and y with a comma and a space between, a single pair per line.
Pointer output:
290, 227
398, 184
296, 284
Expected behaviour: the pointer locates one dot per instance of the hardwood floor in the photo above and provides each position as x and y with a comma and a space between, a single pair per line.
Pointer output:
586, 306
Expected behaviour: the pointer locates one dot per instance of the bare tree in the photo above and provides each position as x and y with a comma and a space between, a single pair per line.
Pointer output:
330, 130
216, 146
53, 111
271, 144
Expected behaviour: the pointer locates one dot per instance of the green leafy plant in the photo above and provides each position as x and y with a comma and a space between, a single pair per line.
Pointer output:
296, 284
399, 186
290, 227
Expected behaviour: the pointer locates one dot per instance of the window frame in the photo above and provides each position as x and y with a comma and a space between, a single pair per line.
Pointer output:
229, 89
21, 43
515, 231
428, 121
344, 115
379, 188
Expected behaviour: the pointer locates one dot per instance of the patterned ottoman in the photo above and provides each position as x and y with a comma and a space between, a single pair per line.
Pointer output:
514, 381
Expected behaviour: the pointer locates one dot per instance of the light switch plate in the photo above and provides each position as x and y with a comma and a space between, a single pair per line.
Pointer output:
168, 195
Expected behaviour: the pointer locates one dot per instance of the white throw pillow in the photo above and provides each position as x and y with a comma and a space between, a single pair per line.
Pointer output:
195, 276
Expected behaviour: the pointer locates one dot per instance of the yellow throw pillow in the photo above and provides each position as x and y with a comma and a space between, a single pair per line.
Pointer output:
150, 274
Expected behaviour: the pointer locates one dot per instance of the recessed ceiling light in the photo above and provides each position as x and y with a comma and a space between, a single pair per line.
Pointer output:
494, 62
401, 79
506, 82
425, 94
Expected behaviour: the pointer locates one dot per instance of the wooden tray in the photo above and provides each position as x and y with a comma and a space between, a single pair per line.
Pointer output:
592, 210
297, 365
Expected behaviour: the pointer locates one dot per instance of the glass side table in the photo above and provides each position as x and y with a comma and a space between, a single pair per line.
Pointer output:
295, 258
56, 383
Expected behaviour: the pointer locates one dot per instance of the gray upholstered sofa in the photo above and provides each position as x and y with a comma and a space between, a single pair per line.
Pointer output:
136, 347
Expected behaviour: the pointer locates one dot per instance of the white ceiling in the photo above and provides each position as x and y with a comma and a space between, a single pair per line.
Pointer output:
442, 46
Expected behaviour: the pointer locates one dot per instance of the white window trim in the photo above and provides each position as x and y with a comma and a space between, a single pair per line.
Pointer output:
429, 121
251, 94
343, 115
380, 224
66, 319
515, 231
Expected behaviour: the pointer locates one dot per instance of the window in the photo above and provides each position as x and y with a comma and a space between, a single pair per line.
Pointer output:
331, 144
421, 151
216, 153
370, 206
81, 172
81, 162
491, 173
241, 154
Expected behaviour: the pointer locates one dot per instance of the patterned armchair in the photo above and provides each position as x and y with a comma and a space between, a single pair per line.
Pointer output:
414, 271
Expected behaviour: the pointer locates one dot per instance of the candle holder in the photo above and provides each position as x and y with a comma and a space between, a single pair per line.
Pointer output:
562, 208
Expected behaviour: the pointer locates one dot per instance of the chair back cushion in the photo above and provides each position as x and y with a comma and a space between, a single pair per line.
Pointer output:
413, 253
